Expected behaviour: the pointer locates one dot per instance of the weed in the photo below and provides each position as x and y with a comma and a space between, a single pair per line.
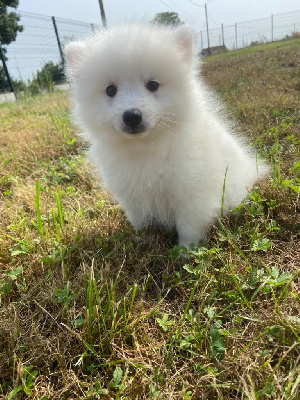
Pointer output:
217, 346
164, 322
28, 375
39, 225
6, 285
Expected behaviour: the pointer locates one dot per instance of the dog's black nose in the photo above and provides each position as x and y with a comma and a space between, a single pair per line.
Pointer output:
132, 117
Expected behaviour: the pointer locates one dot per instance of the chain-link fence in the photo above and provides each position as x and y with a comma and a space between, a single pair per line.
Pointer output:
44, 37
249, 33
38, 44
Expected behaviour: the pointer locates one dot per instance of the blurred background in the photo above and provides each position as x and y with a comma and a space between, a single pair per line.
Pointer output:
34, 33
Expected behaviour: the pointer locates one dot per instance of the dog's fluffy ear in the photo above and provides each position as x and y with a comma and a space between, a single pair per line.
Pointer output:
185, 39
74, 55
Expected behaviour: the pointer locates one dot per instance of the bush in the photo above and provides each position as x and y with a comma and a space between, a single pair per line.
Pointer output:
50, 74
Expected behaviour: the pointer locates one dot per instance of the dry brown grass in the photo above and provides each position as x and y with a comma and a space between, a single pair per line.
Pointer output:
98, 311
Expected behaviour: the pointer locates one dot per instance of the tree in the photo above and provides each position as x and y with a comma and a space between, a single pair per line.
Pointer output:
167, 18
9, 26
9, 29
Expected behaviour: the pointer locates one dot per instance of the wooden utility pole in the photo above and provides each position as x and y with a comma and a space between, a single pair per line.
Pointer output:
102, 13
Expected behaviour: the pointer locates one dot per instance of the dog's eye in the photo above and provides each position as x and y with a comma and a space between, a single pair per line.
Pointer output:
152, 86
111, 90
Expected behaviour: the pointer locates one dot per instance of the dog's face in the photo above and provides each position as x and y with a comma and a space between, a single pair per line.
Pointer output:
132, 80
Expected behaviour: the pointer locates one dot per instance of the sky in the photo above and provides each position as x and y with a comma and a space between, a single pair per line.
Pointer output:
219, 11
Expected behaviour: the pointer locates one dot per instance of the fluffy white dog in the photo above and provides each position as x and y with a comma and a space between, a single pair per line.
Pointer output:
161, 147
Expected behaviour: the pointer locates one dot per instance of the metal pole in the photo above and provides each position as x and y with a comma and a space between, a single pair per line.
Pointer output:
236, 42
93, 28
223, 39
201, 40
102, 13
208, 45
11, 86
272, 27
58, 41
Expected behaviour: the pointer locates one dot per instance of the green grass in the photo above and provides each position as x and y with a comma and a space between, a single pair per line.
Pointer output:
90, 309
265, 47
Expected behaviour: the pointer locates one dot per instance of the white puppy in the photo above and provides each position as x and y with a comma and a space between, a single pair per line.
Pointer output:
160, 146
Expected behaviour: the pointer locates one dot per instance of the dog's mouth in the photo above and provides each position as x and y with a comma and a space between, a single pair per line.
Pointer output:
136, 130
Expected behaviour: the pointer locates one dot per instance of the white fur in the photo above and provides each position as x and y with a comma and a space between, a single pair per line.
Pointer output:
173, 172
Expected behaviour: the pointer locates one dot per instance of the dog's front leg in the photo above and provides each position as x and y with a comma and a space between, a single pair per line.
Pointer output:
191, 229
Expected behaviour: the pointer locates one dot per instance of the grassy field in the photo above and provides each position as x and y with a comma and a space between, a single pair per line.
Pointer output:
91, 309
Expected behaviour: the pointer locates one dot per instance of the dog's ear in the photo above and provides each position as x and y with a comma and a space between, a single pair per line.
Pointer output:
74, 55
185, 39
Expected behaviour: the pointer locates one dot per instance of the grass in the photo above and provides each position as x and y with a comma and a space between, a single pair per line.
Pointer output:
91, 309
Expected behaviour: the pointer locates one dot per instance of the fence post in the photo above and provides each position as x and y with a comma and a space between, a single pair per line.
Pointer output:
223, 39
58, 41
103, 17
11, 86
272, 28
208, 45
236, 40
